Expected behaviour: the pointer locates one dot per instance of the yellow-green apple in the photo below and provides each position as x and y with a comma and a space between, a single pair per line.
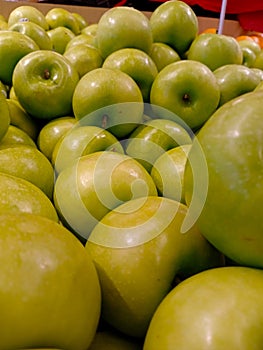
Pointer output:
13, 46
139, 252
258, 63
163, 54
84, 58
21, 196
60, 37
82, 140
30, 164
81, 39
4, 89
258, 71
44, 82
16, 136
251, 44
90, 29
168, 172
110, 99
61, 17
46, 271
4, 116
211, 310
121, 27
3, 24
83, 23
188, 89
95, 184
153, 138
249, 56
35, 32
20, 118
231, 141
235, 80
175, 24
215, 50
112, 340
27, 13
51, 132
137, 64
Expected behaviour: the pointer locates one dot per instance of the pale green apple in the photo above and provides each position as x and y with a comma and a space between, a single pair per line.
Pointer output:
137, 64
188, 89
60, 37
139, 252
174, 23
83, 23
249, 56
21, 196
163, 54
27, 13
110, 99
61, 17
217, 309
123, 27
16, 136
4, 116
81, 39
90, 29
50, 292
251, 44
235, 80
95, 184
44, 82
35, 32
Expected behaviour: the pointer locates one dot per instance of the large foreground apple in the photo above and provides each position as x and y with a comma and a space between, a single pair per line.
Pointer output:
232, 142
217, 309
49, 289
139, 252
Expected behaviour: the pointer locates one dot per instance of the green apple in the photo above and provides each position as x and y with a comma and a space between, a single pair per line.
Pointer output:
60, 37
4, 89
95, 184
82, 22
215, 50
13, 46
35, 32
249, 57
90, 29
235, 80
258, 63
123, 27
175, 24
259, 86
4, 117
251, 44
20, 118
80, 141
3, 25
153, 138
112, 340
30, 164
16, 136
110, 99
50, 292
188, 89
44, 82
81, 39
258, 71
21, 196
230, 216
27, 13
210, 310
168, 172
84, 58
139, 252
163, 54
61, 17
51, 132
137, 64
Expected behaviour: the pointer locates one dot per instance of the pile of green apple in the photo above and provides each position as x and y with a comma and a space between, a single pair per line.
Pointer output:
131, 178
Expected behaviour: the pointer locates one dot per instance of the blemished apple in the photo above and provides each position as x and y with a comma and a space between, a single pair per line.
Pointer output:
61, 17
60, 37
139, 251
110, 99
95, 184
137, 64
44, 82
215, 50
28, 13
50, 292
123, 27
235, 80
16, 136
210, 310
21, 196
188, 89
174, 23
231, 141
4, 116
163, 54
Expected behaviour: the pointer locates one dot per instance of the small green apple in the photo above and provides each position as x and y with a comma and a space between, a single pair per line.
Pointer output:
175, 24
60, 37
90, 29
249, 56
81, 39
4, 117
81, 20
163, 54
4, 89
188, 89
123, 27
61, 17
235, 80
110, 99
258, 63
44, 82
27, 13
95, 184
251, 44
16, 136
137, 64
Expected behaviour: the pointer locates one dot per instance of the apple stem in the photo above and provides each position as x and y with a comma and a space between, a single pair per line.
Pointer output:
186, 98
104, 121
46, 74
